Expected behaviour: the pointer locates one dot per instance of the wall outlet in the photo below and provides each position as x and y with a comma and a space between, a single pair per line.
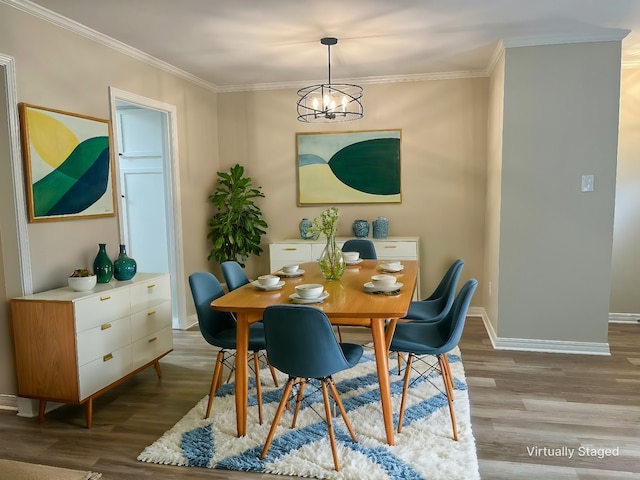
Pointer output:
489, 288
587, 183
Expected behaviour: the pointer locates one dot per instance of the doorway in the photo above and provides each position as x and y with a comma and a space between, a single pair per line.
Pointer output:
144, 132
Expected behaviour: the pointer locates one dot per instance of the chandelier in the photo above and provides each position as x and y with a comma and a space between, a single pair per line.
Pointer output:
330, 102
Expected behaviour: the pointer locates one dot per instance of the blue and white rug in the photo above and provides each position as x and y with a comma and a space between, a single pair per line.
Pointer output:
424, 450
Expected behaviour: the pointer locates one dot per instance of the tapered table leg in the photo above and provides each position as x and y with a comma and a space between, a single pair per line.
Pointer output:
241, 386
382, 364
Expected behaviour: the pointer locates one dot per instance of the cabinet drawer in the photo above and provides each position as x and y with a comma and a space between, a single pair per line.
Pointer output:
285, 253
397, 250
95, 310
152, 346
99, 341
150, 320
151, 292
104, 371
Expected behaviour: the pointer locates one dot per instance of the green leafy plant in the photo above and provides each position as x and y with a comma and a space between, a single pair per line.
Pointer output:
82, 272
237, 227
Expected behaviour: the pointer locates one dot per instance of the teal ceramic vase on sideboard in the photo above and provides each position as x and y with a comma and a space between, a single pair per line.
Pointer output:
124, 267
102, 265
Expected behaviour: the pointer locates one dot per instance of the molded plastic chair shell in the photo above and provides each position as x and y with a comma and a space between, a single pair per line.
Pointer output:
219, 329
301, 343
365, 248
437, 305
234, 275
434, 338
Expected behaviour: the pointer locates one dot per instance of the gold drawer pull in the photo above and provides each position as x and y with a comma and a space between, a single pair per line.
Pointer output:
291, 248
107, 357
153, 339
390, 246
102, 299
151, 286
105, 326
152, 312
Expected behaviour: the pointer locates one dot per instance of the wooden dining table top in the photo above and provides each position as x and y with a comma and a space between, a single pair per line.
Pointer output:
347, 298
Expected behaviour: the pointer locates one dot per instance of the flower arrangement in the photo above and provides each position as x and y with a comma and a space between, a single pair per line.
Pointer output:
326, 222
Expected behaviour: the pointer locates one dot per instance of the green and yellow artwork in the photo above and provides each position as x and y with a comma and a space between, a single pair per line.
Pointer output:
67, 164
349, 167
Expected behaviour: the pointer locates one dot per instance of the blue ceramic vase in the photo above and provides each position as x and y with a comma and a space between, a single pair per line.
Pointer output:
305, 234
124, 267
360, 228
380, 227
102, 265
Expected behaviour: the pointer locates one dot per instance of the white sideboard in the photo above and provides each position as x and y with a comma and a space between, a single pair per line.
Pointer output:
73, 346
298, 250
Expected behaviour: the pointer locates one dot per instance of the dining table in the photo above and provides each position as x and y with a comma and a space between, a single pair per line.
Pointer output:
348, 303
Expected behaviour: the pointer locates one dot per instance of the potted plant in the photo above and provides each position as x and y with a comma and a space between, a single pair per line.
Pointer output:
237, 227
82, 279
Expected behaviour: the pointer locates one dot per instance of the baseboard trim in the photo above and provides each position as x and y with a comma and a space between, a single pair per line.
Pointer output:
8, 402
539, 345
624, 318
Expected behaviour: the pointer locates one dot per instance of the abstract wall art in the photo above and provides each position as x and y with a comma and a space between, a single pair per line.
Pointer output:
349, 167
68, 165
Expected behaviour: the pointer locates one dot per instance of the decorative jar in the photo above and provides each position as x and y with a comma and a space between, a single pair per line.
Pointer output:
380, 227
360, 228
102, 265
305, 233
124, 267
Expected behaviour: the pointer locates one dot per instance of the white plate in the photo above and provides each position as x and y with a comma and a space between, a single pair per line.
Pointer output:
260, 286
389, 269
297, 273
356, 262
298, 299
369, 287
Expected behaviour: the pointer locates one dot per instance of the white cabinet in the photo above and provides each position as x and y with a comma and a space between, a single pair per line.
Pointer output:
300, 251
73, 346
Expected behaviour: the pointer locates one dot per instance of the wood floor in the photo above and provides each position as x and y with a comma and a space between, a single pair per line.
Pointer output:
524, 406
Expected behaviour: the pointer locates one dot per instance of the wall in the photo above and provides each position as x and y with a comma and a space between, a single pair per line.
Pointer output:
555, 241
443, 151
59, 69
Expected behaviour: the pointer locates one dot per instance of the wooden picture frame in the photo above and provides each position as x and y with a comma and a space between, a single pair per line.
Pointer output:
349, 167
68, 164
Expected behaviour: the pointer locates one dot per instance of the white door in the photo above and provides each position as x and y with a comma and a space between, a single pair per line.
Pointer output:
142, 153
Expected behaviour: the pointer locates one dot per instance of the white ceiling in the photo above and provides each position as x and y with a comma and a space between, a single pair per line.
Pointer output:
235, 44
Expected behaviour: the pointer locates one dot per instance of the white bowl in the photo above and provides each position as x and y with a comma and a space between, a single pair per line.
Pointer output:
268, 280
391, 265
82, 284
290, 268
309, 290
383, 280
351, 256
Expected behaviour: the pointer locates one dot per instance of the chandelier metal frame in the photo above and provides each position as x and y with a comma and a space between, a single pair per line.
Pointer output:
330, 102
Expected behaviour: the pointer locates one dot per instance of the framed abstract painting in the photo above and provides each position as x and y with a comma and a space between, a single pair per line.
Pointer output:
68, 165
349, 167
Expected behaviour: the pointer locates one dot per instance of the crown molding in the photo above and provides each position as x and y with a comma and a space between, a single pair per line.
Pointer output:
84, 31
608, 35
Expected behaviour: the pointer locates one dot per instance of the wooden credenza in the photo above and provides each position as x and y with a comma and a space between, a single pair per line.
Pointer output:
299, 251
72, 346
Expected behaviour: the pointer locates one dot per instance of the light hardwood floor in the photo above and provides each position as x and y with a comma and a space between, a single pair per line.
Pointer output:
519, 402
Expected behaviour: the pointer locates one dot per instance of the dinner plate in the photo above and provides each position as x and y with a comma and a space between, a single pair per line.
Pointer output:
369, 287
295, 298
355, 262
297, 273
391, 270
260, 286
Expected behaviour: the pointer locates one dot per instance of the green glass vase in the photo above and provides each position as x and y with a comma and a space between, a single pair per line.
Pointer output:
331, 260
124, 267
102, 265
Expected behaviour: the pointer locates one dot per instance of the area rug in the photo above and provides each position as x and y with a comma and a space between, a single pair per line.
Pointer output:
13, 470
424, 450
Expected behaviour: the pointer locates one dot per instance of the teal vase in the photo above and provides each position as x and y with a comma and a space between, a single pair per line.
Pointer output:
125, 267
102, 265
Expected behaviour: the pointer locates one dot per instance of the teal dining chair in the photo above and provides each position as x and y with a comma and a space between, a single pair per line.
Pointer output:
419, 339
219, 329
301, 343
364, 247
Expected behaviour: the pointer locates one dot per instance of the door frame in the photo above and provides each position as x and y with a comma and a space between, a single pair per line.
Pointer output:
172, 195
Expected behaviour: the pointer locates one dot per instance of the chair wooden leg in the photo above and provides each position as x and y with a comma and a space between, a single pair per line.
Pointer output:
339, 333
449, 390
449, 376
256, 366
407, 378
276, 418
215, 380
400, 357
273, 375
299, 396
332, 438
338, 400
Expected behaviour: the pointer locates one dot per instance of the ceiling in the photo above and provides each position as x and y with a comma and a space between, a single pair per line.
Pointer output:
243, 44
